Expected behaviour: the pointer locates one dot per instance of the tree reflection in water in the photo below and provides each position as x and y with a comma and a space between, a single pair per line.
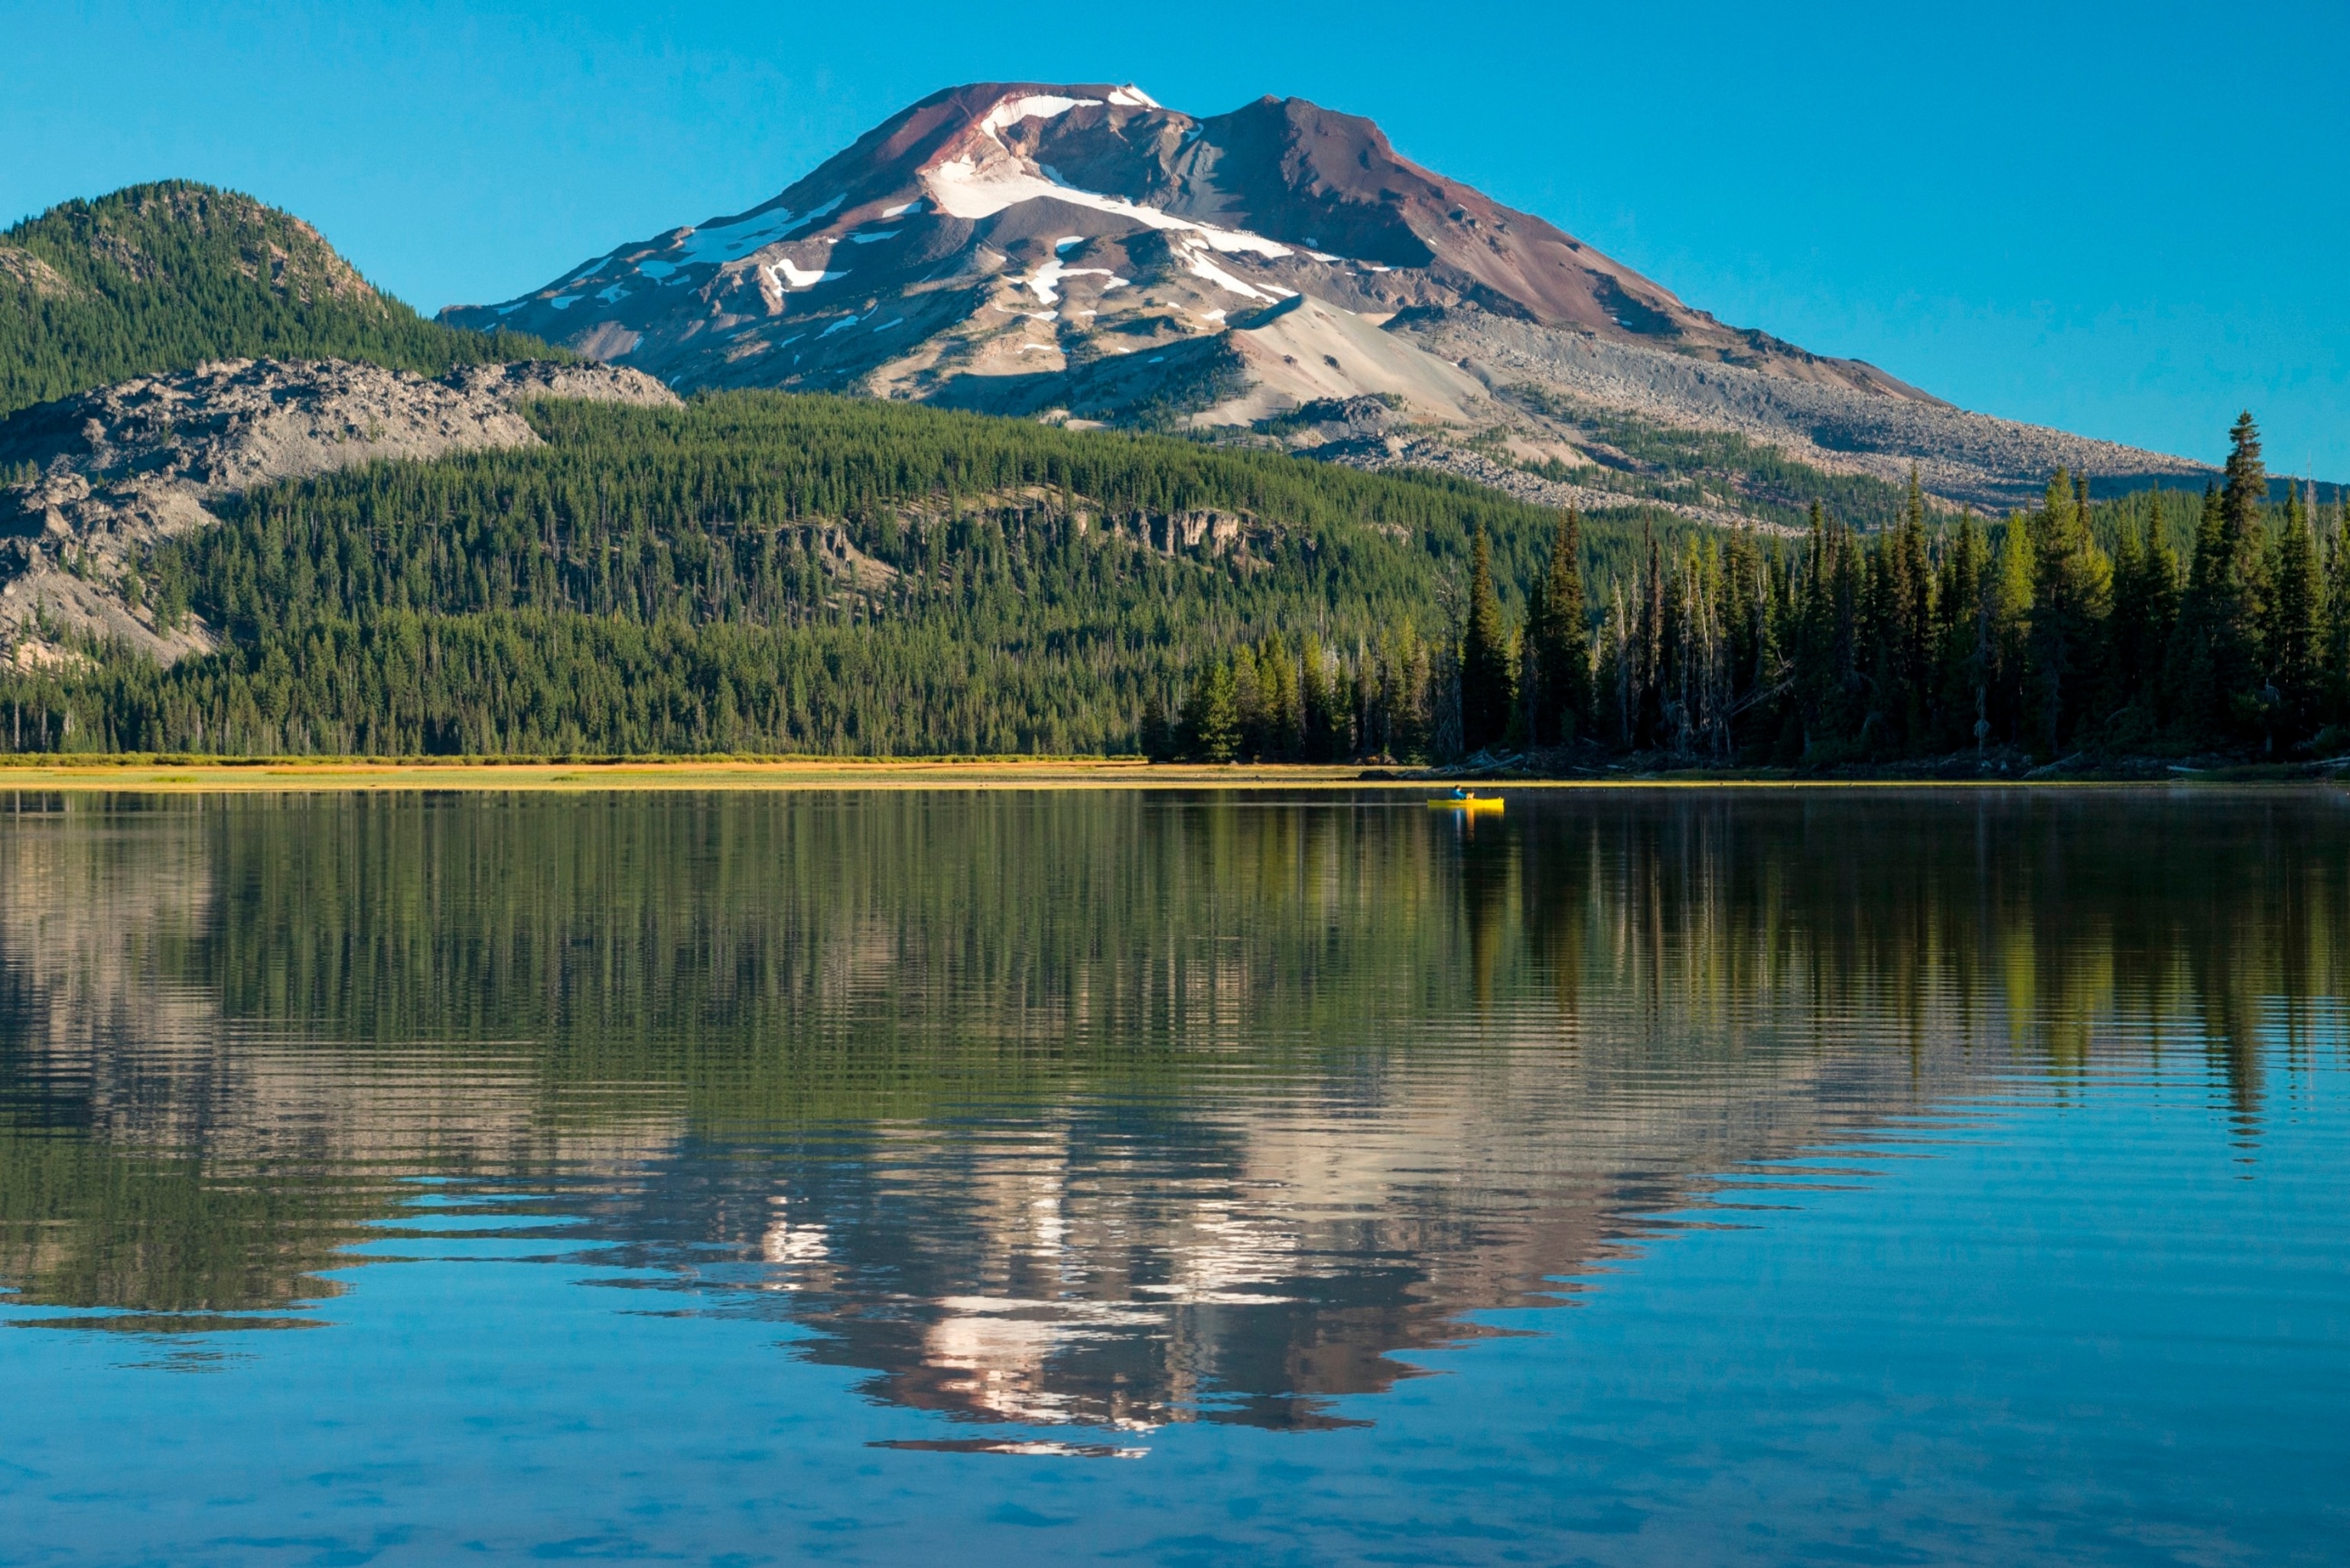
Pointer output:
1097, 1110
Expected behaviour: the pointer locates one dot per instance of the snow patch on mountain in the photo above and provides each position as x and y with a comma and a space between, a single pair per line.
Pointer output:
964, 188
1032, 106
1046, 281
731, 241
789, 275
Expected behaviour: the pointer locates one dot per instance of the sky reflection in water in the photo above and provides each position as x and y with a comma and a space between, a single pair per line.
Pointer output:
1660, 1178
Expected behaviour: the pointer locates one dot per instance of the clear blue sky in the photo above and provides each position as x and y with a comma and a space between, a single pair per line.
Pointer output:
2127, 220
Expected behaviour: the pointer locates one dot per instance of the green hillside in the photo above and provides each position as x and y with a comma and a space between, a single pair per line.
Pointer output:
771, 573
761, 572
164, 276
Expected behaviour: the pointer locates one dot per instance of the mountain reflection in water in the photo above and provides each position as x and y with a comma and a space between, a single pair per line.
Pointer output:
1098, 1111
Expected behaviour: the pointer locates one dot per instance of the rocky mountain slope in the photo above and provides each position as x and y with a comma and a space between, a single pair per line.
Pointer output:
1083, 251
98, 478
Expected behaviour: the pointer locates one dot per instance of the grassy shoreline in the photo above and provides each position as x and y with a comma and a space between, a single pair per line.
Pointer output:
152, 774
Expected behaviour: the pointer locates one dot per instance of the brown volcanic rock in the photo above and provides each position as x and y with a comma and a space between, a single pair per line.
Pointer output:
1330, 182
117, 469
935, 250
1024, 247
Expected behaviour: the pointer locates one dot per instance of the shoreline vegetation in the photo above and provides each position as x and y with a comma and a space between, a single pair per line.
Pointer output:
100, 773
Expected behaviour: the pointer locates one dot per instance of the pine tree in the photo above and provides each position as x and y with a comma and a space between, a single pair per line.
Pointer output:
2216, 673
1649, 634
1918, 653
1963, 641
1283, 727
1830, 688
1558, 642
2010, 628
2191, 672
1161, 736
2145, 606
1750, 622
1324, 705
2243, 504
2294, 637
1900, 621
1211, 723
1252, 723
2070, 584
1488, 691
2337, 618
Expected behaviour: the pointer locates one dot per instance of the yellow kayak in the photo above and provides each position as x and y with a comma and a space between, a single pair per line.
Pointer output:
1466, 803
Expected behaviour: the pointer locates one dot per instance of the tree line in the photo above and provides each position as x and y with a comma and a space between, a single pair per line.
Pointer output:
2070, 630
762, 572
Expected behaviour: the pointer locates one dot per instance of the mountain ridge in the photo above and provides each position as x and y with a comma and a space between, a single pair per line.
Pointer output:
161, 277
1289, 190
1081, 253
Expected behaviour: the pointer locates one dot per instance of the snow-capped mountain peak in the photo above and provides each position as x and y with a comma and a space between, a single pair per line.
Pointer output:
1022, 246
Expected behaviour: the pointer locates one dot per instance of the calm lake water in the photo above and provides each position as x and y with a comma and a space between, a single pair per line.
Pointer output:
1638, 1178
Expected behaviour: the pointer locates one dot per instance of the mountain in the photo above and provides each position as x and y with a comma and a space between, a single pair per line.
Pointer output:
1082, 252
165, 276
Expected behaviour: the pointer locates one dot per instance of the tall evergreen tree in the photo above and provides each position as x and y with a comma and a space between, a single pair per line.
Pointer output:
1649, 668
2336, 710
1487, 685
1751, 629
1211, 723
2216, 671
2144, 607
2191, 673
1831, 688
1901, 624
2294, 637
2071, 581
2011, 630
1276, 682
1558, 642
1964, 661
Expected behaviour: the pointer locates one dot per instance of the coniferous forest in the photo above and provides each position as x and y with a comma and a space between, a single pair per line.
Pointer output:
2157, 624
772, 574
167, 276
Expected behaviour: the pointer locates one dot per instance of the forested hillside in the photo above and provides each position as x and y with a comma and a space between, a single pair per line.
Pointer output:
768, 573
772, 573
165, 276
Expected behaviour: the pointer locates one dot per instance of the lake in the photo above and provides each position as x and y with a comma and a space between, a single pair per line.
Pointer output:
1658, 1177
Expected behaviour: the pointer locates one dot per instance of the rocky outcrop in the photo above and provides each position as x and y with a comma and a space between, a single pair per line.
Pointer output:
1974, 460
21, 266
99, 479
1440, 455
